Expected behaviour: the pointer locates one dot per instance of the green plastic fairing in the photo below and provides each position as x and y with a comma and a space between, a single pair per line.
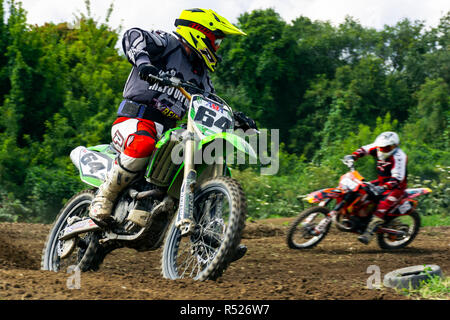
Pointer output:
237, 141
103, 151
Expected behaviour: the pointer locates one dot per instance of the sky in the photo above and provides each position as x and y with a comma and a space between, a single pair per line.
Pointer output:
152, 14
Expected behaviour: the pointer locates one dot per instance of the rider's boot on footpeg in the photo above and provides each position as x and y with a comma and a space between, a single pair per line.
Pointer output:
240, 252
117, 179
370, 230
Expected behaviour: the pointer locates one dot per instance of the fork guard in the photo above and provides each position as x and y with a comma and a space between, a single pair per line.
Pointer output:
186, 205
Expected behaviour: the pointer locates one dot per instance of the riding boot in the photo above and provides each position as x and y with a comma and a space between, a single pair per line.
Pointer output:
241, 250
117, 179
370, 230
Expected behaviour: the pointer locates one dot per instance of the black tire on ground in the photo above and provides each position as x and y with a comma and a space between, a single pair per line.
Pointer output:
208, 254
383, 239
410, 277
78, 205
314, 240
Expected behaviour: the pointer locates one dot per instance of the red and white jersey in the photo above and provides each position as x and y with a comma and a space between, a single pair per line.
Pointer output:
392, 171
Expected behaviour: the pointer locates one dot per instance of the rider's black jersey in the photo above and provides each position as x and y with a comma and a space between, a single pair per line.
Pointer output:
167, 53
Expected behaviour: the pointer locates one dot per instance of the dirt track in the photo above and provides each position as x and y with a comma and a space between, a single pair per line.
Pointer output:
336, 269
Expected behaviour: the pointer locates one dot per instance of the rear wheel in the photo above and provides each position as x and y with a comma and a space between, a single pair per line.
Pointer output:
409, 224
301, 233
219, 214
79, 251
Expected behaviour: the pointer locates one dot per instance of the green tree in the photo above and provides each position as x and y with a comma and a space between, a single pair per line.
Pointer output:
329, 89
433, 112
4, 42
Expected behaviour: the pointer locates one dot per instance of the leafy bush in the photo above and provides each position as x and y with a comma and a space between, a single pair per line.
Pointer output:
11, 209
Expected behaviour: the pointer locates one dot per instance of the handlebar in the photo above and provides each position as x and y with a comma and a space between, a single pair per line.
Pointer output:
372, 190
168, 80
368, 186
182, 85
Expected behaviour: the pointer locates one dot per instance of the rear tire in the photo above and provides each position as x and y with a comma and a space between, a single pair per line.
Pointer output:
86, 248
386, 241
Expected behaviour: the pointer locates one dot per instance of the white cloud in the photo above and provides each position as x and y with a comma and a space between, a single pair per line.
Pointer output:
161, 14
370, 13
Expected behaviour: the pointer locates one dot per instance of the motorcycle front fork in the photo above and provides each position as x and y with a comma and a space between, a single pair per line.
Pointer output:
331, 216
323, 224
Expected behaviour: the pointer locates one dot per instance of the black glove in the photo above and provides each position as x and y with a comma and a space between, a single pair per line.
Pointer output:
147, 69
243, 122
378, 190
375, 191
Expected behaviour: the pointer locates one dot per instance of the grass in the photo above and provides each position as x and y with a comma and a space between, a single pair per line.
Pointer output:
435, 220
434, 288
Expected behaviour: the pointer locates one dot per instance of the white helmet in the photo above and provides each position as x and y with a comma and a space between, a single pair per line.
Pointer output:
386, 143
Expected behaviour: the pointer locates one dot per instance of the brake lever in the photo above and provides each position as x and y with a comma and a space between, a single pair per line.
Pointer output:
175, 82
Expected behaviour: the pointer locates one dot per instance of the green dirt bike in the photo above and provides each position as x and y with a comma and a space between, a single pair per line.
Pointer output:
195, 209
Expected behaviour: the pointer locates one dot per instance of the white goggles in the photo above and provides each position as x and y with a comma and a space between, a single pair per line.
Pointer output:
217, 42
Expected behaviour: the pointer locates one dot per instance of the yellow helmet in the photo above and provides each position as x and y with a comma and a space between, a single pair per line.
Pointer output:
203, 30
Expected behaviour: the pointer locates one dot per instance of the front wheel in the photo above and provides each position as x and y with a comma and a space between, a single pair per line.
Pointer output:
302, 233
219, 213
409, 224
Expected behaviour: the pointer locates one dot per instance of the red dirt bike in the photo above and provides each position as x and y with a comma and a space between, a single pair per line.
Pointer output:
355, 202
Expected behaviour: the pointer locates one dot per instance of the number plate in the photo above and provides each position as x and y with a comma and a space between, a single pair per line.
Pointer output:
94, 164
210, 117
348, 184
405, 207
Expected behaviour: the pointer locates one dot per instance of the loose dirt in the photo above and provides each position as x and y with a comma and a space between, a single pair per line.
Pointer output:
335, 269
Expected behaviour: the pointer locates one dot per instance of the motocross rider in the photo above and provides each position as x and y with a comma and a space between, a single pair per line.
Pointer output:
149, 108
391, 182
